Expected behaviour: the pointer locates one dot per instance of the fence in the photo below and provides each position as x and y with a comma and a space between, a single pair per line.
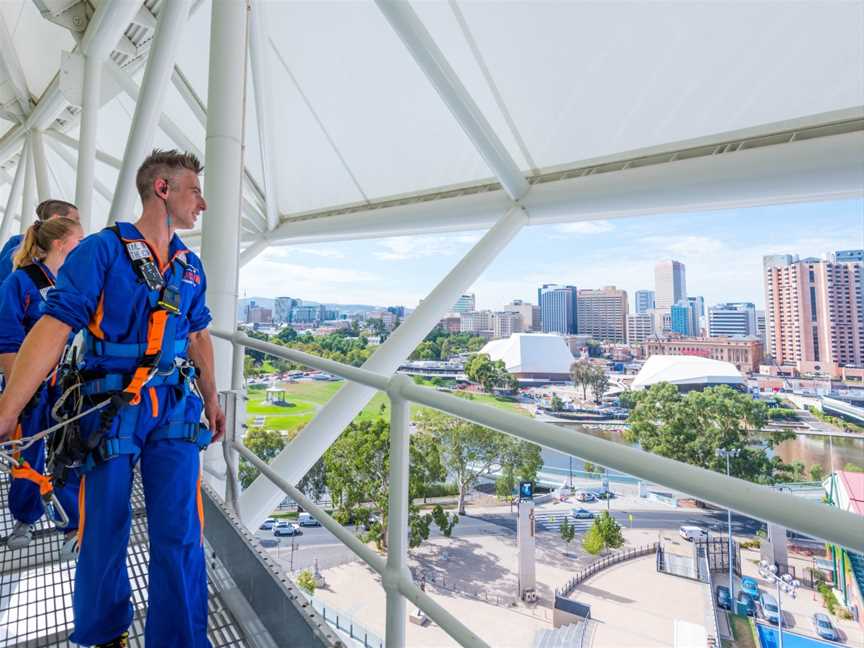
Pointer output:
676, 564
603, 563
346, 624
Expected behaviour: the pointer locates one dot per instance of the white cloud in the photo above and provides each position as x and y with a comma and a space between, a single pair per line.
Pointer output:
290, 253
585, 227
402, 248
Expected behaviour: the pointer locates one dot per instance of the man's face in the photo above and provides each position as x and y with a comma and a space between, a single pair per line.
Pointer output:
185, 200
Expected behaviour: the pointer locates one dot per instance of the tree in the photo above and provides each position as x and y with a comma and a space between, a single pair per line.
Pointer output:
357, 470
444, 520
468, 451
306, 581
489, 374
581, 373
599, 382
692, 427
604, 533
590, 468
568, 531
817, 472
257, 355
266, 444
426, 351
557, 403
520, 461
286, 335
851, 467
377, 326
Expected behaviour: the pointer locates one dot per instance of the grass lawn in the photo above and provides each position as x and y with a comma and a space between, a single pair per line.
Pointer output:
305, 398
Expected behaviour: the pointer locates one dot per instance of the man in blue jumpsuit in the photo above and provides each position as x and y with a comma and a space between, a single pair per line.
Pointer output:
46, 210
139, 295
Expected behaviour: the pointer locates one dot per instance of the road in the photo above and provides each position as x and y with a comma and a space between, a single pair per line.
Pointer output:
318, 543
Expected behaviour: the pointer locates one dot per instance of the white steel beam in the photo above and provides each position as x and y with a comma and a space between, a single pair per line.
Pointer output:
105, 29
72, 143
15, 193
40, 164
259, 58
220, 240
28, 200
14, 72
293, 462
825, 168
148, 106
441, 75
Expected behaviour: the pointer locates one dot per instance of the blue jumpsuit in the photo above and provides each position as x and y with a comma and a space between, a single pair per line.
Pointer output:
21, 306
6, 255
98, 290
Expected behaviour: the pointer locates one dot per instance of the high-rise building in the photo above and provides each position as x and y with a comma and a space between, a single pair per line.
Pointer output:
259, 315
732, 320
557, 308
670, 284
640, 328
476, 321
282, 308
760, 326
773, 261
506, 323
815, 313
700, 322
529, 312
682, 318
602, 314
465, 304
644, 301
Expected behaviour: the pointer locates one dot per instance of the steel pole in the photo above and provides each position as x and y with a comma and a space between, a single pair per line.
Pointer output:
729, 520
220, 238
148, 108
86, 172
397, 515
779, 615
40, 165
28, 202
14, 195
298, 457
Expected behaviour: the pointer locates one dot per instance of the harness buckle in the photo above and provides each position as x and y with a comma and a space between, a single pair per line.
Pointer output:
169, 300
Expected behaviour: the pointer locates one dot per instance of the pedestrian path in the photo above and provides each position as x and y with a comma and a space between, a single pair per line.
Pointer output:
552, 521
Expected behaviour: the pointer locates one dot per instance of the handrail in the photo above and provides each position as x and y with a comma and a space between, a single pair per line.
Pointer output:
754, 500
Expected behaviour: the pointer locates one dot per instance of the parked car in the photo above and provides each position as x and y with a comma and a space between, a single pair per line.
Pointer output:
286, 529
305, 519
582, 514
604, 494
585, 496
724, 599
692, 533
371, 521
824, 628
267, 524
770, 609
750, 586
744, 600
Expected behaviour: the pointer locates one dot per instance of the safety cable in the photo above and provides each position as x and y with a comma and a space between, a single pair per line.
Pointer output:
24, 443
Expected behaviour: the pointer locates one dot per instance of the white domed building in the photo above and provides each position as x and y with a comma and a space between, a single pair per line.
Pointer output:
687, 373
533, 356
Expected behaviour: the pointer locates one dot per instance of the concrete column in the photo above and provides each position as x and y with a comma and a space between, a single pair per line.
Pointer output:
28, 204
14, 196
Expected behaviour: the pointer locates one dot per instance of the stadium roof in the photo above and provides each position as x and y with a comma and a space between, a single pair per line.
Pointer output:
532, 353
357, 140
686, 370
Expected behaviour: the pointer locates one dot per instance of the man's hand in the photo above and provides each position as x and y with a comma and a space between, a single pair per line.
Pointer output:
215, 418
7, 426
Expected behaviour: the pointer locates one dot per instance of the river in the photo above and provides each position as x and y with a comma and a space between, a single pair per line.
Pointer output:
807, 449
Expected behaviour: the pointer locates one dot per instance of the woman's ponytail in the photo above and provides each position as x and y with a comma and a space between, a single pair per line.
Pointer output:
39, 237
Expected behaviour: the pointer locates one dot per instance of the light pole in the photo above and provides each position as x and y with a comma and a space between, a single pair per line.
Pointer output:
721, 452
785, 583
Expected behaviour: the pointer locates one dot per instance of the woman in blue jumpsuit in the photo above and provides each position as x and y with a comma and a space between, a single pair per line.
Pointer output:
46, 210
22, 302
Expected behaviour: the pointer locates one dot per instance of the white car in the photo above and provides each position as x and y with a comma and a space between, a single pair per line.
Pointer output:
693, 533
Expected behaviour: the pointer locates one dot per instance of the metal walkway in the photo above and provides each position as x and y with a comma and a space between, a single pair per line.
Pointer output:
36, 589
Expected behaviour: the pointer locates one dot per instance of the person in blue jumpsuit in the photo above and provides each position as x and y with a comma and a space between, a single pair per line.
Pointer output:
46, 210
139, 296
22, 302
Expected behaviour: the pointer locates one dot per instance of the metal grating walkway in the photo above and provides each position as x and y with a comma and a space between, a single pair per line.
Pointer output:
36, 589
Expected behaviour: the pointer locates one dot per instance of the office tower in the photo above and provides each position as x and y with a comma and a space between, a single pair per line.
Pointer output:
773, 261
682, 318
640, 328
476, 321
529, 312
644, 301
732, 320
465, 304
557, 308
282, 308
814, 313
760, 325
670, 285
506, 323
602, 314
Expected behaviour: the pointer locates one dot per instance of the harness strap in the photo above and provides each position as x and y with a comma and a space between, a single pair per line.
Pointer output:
24, 471
38, 276
99, 348
116, 381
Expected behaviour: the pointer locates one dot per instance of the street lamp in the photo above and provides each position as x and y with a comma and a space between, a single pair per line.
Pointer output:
784, 583
721, 452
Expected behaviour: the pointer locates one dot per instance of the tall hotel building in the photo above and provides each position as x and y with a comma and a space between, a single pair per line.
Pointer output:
602, 314
670, 285
814, 313
557, 308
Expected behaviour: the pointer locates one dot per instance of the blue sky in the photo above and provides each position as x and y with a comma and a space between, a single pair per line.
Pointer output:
722, 251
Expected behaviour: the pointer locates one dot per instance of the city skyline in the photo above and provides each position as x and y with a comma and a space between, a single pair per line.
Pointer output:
722, 252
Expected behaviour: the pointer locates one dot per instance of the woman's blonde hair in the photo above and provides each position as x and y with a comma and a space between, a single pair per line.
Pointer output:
40, 235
